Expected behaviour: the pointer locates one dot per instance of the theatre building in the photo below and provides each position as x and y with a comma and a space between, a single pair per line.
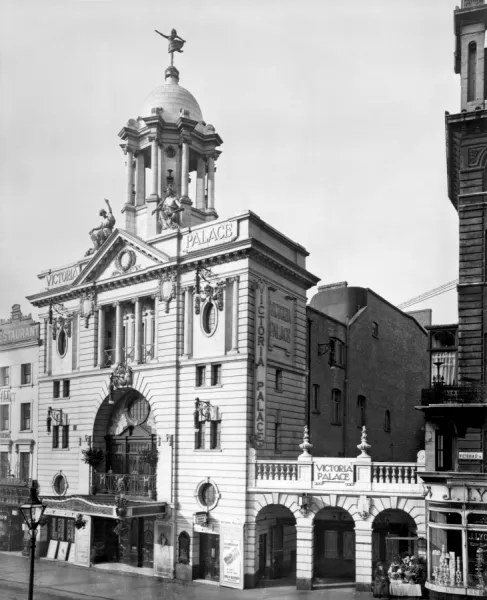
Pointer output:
455, 405
19, 352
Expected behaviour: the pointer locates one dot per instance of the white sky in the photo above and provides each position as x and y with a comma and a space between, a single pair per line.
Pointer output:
331, 113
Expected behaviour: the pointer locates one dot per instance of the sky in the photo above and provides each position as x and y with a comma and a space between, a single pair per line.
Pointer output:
331, 113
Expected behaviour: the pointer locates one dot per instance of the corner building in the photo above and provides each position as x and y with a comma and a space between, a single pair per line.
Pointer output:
455, 406
167, 339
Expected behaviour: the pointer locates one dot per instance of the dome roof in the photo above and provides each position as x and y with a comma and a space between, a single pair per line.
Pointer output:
172, 98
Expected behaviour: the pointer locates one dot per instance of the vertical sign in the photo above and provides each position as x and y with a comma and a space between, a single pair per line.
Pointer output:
82, 545
231, 556
260, 363
163, 550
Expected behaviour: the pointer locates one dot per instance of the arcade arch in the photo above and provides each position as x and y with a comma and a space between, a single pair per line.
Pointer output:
394, 533
334, 546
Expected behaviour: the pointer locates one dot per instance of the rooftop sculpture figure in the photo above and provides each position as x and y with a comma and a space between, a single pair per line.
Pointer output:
168, 210
101, 233
176, 43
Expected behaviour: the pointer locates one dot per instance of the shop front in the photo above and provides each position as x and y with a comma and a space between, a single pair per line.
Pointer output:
12, 496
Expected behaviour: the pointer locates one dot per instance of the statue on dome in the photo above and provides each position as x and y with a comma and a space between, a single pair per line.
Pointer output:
101, 233
168, 210
176, 43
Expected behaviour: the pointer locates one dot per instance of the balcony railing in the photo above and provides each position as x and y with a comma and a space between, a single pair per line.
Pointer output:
132, 484
454, 394
147, 352
109, 357
394, 472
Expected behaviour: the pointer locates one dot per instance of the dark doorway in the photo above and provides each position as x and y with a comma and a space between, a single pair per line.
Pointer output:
262, 553
209, 556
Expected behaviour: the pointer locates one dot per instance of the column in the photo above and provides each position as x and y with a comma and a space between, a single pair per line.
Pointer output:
140, 180
363, 555
211, 183
49, 348
304, 554
185, 170
154, 166
138, 329
235, 315
200, 183
118, 333
162, 170
149, 335
251, 562
130, 177
188, 320
156, 326
101, 337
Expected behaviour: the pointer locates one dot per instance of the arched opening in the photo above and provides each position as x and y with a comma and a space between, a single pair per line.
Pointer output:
125, 430
276, 538
334, 546
394, 534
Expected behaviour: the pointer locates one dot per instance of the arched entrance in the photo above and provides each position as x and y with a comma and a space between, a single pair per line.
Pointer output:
334, 546
276, 539
394, 533
125, 430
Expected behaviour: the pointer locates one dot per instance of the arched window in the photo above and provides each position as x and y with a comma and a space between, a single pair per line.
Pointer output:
361, 402
183, 548
471, 71
387, 421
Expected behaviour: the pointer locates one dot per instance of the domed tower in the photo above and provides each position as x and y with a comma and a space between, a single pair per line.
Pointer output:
172, 140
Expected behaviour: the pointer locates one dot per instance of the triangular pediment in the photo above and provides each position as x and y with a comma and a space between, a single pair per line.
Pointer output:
122, 254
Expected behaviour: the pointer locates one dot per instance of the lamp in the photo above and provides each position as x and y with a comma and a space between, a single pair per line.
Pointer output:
56, 414
304, 504
32, 513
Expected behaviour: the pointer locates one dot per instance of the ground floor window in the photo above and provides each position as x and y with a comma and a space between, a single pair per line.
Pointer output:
61, 529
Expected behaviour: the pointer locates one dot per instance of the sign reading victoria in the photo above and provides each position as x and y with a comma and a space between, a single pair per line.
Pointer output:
62, 276
260, 363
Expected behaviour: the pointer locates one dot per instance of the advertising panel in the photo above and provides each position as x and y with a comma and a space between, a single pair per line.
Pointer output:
231, 556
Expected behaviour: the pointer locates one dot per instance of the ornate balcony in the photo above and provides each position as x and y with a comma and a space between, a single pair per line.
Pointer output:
454, 394
132, 484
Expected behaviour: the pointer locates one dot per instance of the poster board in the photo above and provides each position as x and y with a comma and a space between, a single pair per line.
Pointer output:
72, 553
52, 550
232, 556
82, 544
163, 550
62, 550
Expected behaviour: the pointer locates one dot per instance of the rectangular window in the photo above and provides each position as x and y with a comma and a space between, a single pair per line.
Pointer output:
216, 374
24, 468
4, 376
375, 329
337, 353
200, 376
56, 389
199, 442
277, 427
25, 374
4, 417
65, 434
361, 405
4, 465
215, 434
66, 388
278, 380
25, 417
443, 451
55, 436
336, 407
316, 398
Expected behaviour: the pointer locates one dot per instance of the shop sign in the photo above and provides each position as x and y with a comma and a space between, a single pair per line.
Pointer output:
281, 322
19, 334
3, 516
210, 236
260, 364
471, 592
471, 455
163, 549
6, 396
231, 556
477, 539
82, 546
332, 471
200, 521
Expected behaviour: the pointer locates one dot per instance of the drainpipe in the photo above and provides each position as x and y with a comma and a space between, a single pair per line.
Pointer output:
345, 392
308, 392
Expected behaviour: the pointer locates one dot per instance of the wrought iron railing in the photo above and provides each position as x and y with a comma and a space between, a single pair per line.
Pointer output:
132, 484
109, 357
454, 394
128, 354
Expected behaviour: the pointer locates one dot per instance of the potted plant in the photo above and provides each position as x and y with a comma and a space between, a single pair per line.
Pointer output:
93, 457
121, 505
79, 522
150, 456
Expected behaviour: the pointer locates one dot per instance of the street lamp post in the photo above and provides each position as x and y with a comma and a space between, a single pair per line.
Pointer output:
32, 514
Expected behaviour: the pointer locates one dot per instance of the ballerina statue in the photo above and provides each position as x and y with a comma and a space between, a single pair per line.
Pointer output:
176, 43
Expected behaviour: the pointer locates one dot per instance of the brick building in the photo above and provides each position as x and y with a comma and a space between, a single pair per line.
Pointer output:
368, 364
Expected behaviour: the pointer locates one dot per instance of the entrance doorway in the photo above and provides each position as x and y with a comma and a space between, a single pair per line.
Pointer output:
393, 535
209, 556
334, 547
262, 553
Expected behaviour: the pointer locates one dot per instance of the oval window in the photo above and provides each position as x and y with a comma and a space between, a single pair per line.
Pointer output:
139, 410
60, 485
207, 495
209, 318
62, 343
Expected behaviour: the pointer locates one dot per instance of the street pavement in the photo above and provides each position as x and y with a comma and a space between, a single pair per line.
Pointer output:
57, 580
